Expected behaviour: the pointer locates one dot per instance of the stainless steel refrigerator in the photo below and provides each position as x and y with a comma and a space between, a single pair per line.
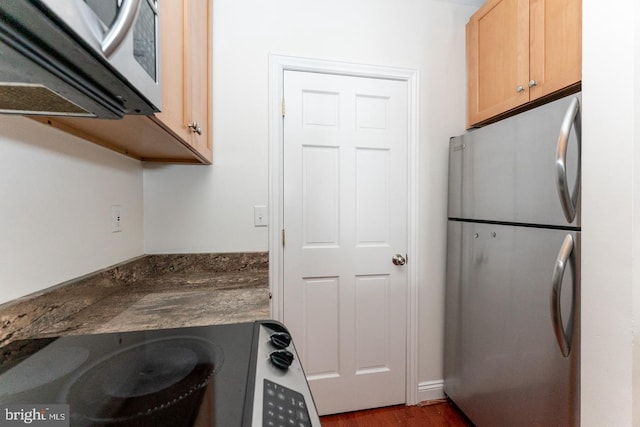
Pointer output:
512, 332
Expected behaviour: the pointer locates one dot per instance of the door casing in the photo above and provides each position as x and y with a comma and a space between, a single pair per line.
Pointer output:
277, 65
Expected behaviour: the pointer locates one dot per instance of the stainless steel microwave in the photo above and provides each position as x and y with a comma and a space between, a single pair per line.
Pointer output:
95, 58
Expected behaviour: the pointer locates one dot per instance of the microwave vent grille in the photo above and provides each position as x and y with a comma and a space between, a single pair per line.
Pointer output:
18, 98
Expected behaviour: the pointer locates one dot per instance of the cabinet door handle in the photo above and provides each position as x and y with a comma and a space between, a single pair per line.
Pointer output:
195, 128
533, 83
520, 89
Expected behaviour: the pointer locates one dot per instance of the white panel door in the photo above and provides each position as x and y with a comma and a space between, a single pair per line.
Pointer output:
345, 217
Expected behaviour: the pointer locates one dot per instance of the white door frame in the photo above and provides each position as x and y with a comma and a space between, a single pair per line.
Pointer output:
277, 65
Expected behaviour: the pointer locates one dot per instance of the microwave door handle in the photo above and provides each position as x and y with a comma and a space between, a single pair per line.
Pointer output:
568, 200
563, 337
120, 27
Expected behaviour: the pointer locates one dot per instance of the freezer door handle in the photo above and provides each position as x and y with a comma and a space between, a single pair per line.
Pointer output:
568, 200
563, 337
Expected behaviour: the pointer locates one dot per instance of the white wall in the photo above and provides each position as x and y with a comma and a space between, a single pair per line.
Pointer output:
610, 389
56, 193
210, 209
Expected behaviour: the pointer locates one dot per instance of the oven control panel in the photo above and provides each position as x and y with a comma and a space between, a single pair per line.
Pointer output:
281, 393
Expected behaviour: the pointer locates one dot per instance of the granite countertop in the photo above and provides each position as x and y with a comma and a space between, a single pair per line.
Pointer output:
151, 292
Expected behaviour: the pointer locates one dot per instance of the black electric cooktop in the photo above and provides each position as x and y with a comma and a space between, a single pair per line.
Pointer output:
196, 376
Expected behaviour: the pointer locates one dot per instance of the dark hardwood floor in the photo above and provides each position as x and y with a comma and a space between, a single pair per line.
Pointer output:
431, 414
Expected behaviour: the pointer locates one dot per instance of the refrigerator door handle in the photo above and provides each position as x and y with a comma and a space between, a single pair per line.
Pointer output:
568, 200
563, 337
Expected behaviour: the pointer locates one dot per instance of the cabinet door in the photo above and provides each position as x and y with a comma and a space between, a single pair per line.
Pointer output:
173, 76
185, 69
196, 69
556, 45
497, 58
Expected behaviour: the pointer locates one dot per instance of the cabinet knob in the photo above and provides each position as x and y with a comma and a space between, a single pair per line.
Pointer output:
533, 83
520, 89
195, 128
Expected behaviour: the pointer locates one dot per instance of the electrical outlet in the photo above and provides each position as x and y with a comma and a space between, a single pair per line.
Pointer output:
260, 218
116, 219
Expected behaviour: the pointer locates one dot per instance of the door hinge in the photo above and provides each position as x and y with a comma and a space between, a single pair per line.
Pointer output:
283, 237
283, 108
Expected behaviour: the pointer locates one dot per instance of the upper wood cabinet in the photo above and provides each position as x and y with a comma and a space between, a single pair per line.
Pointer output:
182, 132
519, 51
185, 72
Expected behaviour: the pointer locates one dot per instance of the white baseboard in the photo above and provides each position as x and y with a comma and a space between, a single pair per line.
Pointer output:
430, 390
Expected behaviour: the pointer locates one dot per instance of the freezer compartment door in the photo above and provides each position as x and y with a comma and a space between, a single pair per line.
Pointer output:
504, 361
524, 169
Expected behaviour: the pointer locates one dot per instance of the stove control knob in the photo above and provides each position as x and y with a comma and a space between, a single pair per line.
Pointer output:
281, 358
280, 339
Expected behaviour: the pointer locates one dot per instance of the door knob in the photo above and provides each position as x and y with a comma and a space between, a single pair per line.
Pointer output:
398, 260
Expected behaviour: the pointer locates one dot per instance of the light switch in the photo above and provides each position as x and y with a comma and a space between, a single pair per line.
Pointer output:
260, 218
